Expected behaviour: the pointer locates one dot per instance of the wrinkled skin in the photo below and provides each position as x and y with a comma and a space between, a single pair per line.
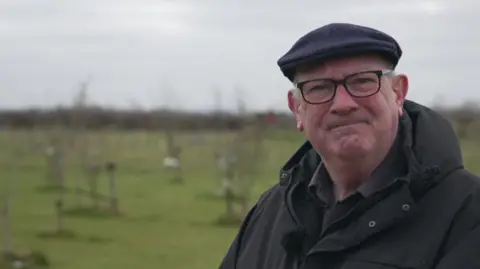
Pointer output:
353, 135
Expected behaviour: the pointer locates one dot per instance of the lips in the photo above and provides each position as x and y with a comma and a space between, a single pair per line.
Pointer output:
345, 123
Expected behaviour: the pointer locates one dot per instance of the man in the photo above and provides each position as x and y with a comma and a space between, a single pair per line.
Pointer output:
380, 181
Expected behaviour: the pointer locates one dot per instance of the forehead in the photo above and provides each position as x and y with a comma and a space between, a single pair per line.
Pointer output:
341, 67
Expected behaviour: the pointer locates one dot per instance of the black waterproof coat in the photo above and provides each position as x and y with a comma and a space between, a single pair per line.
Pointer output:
429, 219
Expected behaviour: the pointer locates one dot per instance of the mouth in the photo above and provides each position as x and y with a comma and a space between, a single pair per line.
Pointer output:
346, 124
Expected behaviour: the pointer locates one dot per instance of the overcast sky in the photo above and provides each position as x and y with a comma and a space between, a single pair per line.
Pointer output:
146, 52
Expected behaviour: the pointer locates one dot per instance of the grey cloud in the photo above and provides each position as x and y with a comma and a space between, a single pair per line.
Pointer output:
130, 48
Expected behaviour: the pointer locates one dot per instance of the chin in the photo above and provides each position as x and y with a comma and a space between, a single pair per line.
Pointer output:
351, 148
351, 153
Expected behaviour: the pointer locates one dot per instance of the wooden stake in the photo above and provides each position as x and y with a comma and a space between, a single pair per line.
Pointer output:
58, 205
94, 171
111, 168
7, 246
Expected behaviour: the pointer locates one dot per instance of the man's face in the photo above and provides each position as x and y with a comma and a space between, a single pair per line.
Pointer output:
348, 127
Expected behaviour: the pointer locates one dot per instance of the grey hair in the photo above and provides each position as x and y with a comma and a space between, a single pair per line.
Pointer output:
296, 92
392, 73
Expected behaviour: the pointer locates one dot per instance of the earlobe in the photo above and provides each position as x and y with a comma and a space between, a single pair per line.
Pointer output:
299, 126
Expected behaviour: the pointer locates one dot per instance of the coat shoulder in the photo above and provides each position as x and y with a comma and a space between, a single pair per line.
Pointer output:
462, 183
270, 200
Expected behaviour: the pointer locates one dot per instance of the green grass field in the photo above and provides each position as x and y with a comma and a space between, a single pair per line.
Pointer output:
162, 225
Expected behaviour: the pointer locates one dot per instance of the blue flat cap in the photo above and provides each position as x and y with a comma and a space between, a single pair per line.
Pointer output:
338, 40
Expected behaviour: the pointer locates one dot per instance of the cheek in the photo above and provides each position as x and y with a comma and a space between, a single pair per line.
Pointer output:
314, 117
384, 113
313, 123
380, 107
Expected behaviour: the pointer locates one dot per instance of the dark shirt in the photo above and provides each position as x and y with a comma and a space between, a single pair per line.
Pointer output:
321, 185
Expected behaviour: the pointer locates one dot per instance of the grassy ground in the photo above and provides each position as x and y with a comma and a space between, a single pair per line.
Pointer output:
162, 225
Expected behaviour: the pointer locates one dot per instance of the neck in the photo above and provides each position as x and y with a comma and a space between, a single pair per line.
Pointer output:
347, 177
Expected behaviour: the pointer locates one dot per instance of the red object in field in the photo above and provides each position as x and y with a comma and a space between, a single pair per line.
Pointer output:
271, 118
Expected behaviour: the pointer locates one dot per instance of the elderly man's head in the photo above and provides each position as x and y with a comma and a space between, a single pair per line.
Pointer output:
348, 107
347, 98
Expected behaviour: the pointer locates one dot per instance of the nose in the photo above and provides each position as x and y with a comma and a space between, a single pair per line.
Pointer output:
343, 103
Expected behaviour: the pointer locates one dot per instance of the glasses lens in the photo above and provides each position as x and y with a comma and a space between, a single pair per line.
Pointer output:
363, 84
318, 91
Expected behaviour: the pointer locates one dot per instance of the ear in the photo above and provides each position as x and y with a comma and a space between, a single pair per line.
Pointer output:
400, 88
294, 104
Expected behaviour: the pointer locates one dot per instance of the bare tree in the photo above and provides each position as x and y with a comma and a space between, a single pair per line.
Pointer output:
55, 154
173, 159
242, 170
250, 160
79, 133
174, 148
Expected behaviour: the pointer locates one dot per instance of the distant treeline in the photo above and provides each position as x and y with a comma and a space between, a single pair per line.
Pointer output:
100, 118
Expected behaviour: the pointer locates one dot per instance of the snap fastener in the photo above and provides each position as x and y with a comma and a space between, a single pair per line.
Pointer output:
406, 207
283, 175
372, 224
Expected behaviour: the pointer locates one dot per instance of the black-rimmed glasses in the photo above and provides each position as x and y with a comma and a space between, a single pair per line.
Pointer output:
361, 84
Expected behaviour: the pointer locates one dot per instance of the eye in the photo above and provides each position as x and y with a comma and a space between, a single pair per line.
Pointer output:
318, 86
363, 78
